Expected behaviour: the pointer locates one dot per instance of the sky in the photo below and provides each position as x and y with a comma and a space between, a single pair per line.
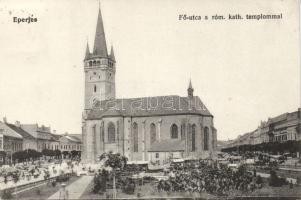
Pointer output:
244, 71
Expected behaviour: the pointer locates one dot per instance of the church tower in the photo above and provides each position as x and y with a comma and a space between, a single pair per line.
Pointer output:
99, 67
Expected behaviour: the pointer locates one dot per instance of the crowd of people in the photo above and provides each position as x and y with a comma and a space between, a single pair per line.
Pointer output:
26, 172
208, 177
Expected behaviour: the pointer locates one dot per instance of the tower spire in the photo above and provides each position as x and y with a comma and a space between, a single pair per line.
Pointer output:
87, 55
190, 85
112, 56
100, 46
190, 89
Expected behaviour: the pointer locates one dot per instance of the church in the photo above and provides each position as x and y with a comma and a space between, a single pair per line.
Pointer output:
150, 129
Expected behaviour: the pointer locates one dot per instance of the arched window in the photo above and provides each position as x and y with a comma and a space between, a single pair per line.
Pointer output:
193, 137
152, 133
206, 138
95, 88
135, 137
174, 131
90, 63
111, 133
183, 131
94, 62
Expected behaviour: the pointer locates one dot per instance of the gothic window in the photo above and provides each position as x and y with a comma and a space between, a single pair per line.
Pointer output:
135, 137
206, 138
111, 133
189, 137
174, 131
152, 133
193, 137
95, 88
183, 131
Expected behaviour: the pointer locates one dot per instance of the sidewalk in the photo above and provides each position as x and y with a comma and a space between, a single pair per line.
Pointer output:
76, 188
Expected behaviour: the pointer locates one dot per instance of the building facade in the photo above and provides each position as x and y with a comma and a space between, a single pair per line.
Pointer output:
29, 142
69, 143
132, 126
10, 142
282, 128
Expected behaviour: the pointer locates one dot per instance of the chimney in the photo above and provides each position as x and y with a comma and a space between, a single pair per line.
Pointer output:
54, 131
4, 120
17, 123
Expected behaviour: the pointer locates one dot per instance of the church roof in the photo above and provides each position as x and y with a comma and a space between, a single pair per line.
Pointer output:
100, 46
149, 106
167, 146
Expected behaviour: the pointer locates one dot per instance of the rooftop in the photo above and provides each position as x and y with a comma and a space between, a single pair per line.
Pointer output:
20, 131
149, 106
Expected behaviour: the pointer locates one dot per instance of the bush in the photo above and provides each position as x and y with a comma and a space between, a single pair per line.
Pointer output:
129, 188
62, 178
7, 194
275, 181
97, 184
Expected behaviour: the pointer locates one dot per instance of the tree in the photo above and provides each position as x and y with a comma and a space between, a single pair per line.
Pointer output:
33, 154
57, 153
75, 153
116, 162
